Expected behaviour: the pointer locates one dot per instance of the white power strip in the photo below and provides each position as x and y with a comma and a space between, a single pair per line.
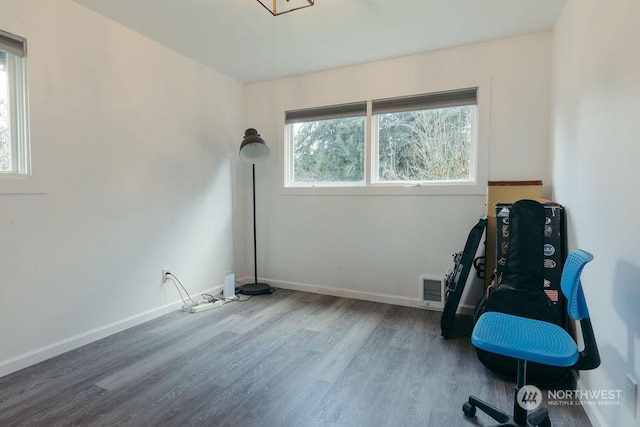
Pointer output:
206, 306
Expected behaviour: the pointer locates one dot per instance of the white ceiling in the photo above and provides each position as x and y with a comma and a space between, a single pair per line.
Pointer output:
243, 40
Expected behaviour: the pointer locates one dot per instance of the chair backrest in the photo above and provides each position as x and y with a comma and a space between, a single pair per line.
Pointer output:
572, 286
577, 307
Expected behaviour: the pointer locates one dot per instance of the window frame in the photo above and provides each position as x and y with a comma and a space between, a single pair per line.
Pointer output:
15, 48
349, 110
17, 180
479, 156
375, 158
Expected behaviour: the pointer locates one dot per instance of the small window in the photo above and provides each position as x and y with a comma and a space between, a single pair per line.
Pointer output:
14, 138
425, 139
326, 146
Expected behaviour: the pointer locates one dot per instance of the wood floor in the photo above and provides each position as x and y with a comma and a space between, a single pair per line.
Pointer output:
286, 359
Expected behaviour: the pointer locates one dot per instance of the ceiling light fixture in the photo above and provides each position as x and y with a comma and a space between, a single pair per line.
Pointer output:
278, 7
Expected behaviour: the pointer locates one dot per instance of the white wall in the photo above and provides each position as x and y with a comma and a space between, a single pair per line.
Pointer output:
134, 147
377, 246
596, 112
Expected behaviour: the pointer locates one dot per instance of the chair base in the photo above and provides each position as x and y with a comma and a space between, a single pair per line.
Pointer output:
537, 418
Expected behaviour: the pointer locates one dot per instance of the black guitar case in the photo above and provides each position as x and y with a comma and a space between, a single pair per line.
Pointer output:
519, 290
457, 279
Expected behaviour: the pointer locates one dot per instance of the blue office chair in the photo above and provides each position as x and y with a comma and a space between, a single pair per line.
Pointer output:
537, 341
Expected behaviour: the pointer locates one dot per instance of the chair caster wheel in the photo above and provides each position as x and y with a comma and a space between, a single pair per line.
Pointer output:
469, 410
545, 423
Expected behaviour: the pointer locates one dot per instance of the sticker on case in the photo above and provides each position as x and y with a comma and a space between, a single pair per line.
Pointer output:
549, 250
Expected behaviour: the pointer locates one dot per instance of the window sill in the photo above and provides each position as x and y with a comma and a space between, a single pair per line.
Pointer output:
456, 189
19, 185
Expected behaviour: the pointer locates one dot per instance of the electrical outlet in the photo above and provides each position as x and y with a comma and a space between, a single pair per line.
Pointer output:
631, 394
165, 271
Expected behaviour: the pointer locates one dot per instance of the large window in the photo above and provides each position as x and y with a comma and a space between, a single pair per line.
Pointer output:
425, 139
14, 138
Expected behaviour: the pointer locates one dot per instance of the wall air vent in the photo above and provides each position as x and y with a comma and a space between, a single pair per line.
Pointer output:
433, 292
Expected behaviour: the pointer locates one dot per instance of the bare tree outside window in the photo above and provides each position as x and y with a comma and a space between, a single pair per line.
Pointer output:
427, 145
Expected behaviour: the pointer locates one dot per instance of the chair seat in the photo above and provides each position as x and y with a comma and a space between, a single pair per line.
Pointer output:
526, 339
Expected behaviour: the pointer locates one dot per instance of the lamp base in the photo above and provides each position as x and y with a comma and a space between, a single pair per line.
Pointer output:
255, 289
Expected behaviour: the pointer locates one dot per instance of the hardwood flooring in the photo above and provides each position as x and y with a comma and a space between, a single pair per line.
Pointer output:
286, 359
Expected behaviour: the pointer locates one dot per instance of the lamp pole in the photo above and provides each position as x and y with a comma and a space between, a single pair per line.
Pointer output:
255, 245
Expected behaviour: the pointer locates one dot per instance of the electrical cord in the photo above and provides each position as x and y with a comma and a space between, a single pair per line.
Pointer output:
209, 297
175, 279
238, 299
186, 305
189, 303
243, 299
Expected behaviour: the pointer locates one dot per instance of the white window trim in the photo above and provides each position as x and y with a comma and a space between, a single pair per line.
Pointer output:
480, 162
20, 181
20, 150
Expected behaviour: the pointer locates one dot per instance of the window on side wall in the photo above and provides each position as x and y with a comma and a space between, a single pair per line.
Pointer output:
14, 129
428, 139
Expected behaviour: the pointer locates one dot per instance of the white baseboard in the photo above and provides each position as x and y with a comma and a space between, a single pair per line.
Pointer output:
347, 293
41, 354
592, 411
466, 309
338, 292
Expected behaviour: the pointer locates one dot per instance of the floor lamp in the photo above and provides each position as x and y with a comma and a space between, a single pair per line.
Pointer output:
254, 150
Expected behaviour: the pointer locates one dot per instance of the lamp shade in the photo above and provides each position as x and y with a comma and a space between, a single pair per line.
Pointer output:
253, 148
